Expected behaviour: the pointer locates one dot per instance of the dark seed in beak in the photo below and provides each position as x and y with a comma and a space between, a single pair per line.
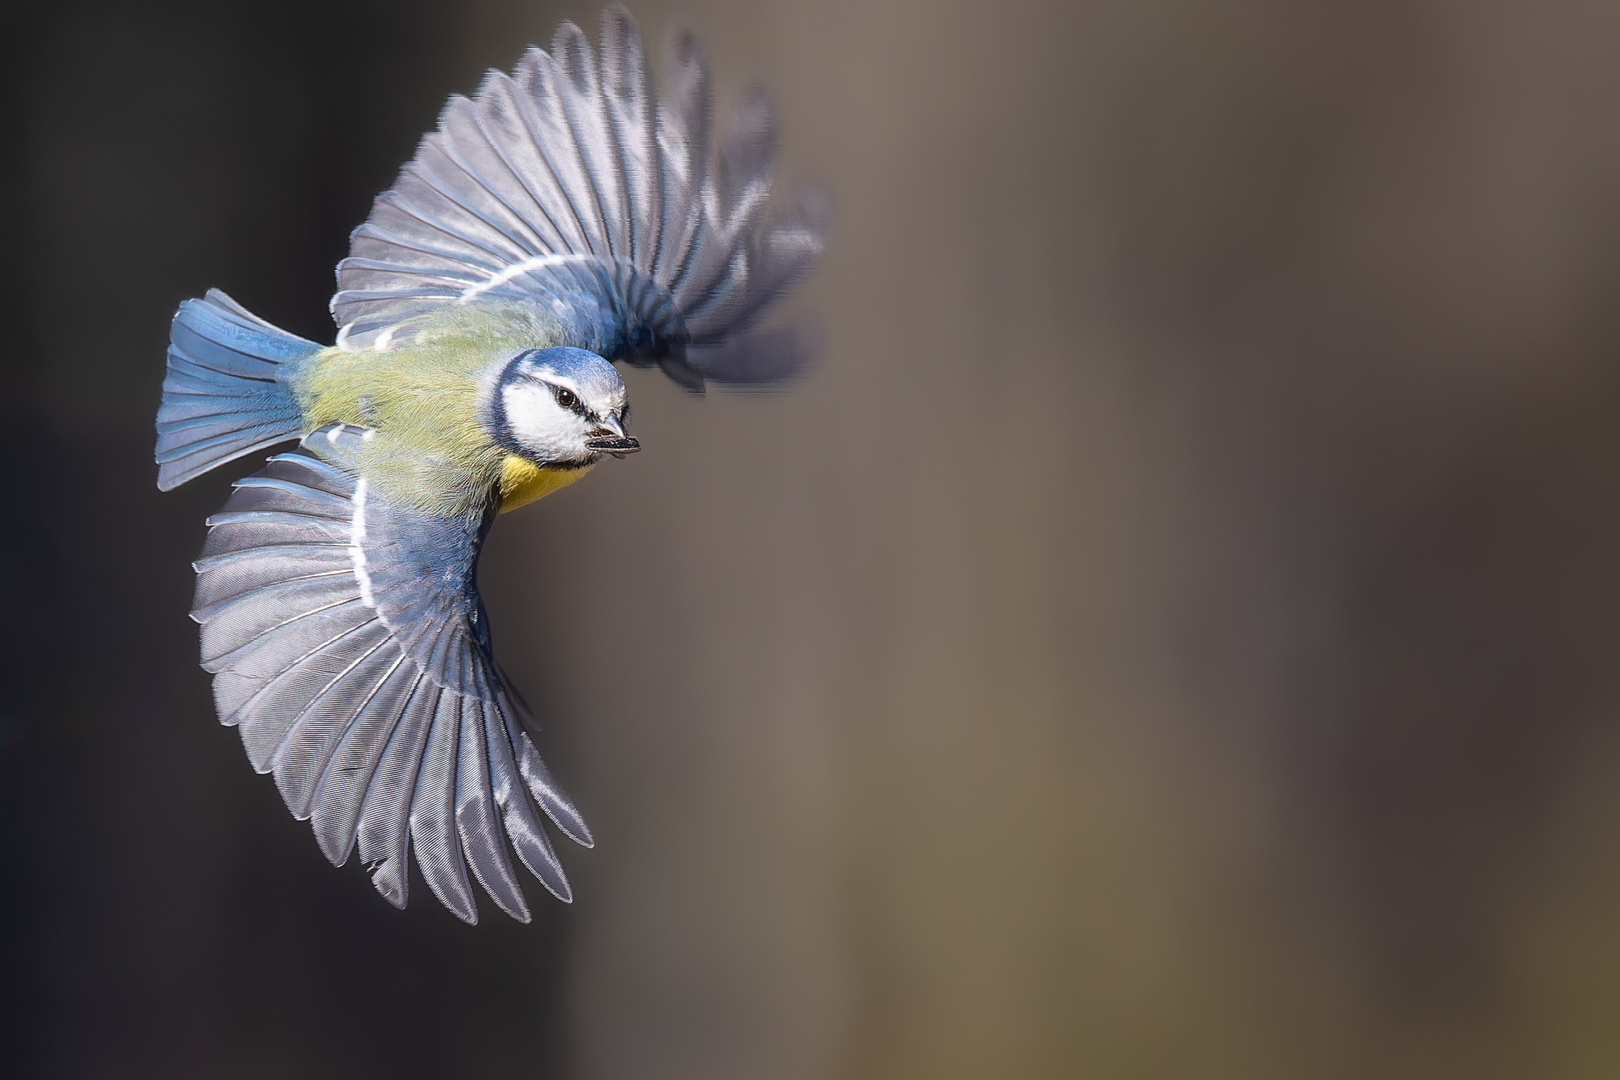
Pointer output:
613, 444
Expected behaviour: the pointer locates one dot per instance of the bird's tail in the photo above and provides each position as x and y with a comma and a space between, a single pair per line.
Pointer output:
227, 392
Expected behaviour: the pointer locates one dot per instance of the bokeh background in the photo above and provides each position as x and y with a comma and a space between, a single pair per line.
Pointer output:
1172, 633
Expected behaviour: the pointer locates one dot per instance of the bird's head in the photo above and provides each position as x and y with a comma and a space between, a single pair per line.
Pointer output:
560, 406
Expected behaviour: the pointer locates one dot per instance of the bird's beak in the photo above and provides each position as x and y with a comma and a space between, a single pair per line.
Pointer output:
608, 437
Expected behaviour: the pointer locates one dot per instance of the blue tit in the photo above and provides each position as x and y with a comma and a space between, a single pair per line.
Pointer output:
564, 218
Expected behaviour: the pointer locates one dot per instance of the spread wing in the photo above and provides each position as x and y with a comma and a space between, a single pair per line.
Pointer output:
571, 189
349, 646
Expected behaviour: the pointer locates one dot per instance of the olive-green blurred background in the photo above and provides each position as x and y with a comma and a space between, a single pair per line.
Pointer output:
1171, 633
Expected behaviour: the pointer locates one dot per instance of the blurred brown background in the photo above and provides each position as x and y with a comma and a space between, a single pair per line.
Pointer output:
1172, 633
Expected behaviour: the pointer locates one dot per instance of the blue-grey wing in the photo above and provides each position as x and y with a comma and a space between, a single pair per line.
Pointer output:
572, 190
350, 648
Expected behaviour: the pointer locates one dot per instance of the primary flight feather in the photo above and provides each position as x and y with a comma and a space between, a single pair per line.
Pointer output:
562, 218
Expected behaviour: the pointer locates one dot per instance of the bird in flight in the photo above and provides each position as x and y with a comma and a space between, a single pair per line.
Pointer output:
564, 218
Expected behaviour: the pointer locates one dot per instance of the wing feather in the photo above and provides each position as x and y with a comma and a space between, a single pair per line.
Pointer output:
268, 719
463, 182
546, 136
254, 672
632, 118
537, 777
476, 824
349, 649
517, 811
384, 829
433, 810
683, 140
301, 756
418, 252
395, 209
502, 133
340, 790
579, 94
571, 189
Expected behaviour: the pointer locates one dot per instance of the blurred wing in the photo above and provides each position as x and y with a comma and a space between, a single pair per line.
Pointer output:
570, 189
349, 646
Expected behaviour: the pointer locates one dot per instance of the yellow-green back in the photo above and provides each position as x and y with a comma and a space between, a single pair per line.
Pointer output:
423, 400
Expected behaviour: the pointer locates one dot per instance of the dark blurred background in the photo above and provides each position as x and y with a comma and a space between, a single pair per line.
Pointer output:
1172, 633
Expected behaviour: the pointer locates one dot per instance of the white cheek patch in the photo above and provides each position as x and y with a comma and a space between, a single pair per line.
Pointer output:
538, 423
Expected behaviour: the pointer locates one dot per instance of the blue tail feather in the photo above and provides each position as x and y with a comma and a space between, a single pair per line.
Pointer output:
226, 393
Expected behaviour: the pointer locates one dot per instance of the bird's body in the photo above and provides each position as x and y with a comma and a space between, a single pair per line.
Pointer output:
564, 218
427, 401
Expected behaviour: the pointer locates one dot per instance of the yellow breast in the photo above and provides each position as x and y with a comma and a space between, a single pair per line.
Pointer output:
523, 481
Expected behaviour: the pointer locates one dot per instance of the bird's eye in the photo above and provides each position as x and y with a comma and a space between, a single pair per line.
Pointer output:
566, 399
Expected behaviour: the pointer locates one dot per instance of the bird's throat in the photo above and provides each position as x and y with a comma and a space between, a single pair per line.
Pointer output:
522, 481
